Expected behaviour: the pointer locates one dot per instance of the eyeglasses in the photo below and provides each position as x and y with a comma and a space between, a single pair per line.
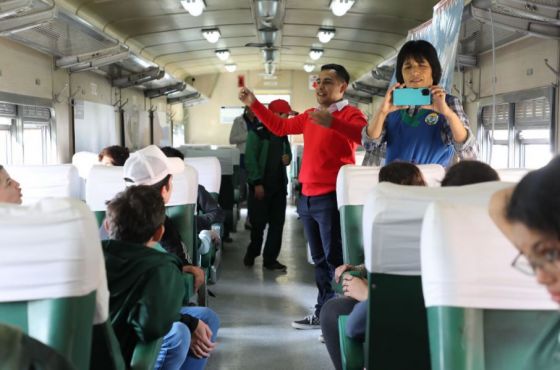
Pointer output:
549, 261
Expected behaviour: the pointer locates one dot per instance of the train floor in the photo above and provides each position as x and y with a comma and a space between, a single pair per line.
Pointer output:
257, 306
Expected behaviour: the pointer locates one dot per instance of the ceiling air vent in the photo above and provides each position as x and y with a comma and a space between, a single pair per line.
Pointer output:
54, 31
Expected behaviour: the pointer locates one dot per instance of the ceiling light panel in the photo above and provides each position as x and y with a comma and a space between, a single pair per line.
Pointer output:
223, 54
212, 35
231, 67
340, 7
315, 54
325, 34
194, 7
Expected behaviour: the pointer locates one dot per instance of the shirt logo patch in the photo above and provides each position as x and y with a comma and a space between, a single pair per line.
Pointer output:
431, 119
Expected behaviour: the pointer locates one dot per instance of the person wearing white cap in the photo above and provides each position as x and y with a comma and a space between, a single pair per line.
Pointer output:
150, 166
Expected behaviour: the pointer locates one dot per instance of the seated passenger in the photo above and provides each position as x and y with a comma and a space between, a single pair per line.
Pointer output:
114, 155
211, 211
149, 166
355, 288
529, 216
402, 173
146, 286
10, 191
469, 172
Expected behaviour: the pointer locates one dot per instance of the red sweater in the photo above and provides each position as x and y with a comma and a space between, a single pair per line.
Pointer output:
325, 150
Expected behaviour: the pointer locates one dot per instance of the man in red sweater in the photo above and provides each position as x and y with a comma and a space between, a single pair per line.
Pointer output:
331, 133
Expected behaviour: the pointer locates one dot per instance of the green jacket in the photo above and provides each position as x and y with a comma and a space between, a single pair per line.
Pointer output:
146, 292
256, 154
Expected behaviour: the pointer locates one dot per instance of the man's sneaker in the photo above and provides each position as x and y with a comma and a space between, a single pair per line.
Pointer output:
308, 322
276, 266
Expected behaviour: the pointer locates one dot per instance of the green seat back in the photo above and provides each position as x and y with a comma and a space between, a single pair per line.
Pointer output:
351, 232
351, 350
485, 339
184, 220
64, 324
397, 332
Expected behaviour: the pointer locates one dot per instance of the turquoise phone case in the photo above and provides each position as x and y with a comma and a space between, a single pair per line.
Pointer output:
412, 96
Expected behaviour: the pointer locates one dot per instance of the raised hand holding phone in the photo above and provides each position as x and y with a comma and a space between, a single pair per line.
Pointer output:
240, 81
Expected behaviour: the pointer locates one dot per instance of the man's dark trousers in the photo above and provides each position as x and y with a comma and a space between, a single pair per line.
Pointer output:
321, 224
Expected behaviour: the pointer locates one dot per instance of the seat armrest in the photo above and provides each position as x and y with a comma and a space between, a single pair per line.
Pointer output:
145, 355
351, 350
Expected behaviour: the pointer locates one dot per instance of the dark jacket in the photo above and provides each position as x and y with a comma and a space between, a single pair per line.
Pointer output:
209, 211
146, 292
256, 153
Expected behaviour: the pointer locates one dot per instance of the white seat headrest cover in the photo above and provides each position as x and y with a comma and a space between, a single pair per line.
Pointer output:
466, 262
185, 187
51, 250
512, 174
392, 222
209, 172
432, 173
37, 182
227, 156
84, 161
103, 183
354, 183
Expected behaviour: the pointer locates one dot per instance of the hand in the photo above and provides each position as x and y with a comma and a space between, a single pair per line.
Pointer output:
201, 340
439, 104
246, 96
387, 105
355, 287
285, 159
340, 270
259, 192
198, 273
322, 117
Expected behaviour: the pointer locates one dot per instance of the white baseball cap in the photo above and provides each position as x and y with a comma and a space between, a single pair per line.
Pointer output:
149, 165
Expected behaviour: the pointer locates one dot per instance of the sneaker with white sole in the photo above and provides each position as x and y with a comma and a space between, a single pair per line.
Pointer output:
308, 322
321, 338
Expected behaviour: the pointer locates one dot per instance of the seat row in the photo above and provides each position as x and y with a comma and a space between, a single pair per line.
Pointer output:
442, 293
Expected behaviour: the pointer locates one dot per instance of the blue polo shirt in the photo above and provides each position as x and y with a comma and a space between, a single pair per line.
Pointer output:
416, 136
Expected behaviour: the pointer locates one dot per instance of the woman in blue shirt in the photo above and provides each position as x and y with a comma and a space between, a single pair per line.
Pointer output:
420, 134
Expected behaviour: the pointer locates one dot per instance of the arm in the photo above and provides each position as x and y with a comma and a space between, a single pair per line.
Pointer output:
238, 133
278, 126
352, 127
497, 211
154, 313
458, 131
211, 210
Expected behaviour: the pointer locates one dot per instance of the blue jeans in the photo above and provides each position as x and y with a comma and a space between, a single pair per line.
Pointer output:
321, 224
174, 353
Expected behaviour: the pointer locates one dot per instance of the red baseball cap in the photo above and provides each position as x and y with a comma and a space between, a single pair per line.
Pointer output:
281, 106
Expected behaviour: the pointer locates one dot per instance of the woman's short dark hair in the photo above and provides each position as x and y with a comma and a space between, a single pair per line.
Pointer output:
469, 172
135, 214
340, 71
402, 173
119, 154
418, 50
535, 201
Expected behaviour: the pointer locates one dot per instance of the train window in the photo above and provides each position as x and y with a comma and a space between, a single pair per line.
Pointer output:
5, 140
25, 134
522, 131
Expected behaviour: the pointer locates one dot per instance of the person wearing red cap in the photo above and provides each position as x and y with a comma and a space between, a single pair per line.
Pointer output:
266, 158
331, 133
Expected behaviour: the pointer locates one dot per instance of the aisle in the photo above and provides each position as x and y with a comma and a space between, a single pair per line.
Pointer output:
256, 307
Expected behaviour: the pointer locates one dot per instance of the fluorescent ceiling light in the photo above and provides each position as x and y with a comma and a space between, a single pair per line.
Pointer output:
211, 34
308, 67
267, 8
325, 34
269, 68
223, 54
315, 54
194, 7
340, 7
231, 67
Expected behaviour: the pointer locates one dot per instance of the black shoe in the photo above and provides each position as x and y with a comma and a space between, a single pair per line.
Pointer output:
276, 266
249, 260
227, 239
308, 322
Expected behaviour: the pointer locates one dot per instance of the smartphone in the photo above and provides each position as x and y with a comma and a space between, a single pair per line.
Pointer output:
412, 96
240, 81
